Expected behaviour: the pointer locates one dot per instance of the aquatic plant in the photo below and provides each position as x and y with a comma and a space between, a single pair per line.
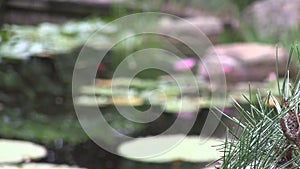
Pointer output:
15, 151
170, 148
39, 166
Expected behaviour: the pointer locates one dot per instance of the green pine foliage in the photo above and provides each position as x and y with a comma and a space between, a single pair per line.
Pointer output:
267, 134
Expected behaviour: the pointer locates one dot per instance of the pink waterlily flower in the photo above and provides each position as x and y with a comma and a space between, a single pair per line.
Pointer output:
186, 115
272, 76
101, 67
227, 111
184, 64
227, 69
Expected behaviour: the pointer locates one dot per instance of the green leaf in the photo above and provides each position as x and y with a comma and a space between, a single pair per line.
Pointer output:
184, 104
39, 166
13, 151
170, 148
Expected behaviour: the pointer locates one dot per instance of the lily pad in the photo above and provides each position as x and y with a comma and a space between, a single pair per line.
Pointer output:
170, 89
185, 104
131, 101
9, 167
124, 82
39, 166
154, 98
170, 148
13, 151
104, 91
103, 82
216, 102
144, 83
91, 101
47, 39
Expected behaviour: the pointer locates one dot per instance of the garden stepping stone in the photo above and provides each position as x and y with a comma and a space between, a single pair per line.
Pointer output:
244, 62
211, 26
273, 17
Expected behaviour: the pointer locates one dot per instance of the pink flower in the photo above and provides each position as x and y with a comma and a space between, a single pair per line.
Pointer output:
227, 69
184, 64
101, 67
272, 76
228, 64
186, 115
227, 111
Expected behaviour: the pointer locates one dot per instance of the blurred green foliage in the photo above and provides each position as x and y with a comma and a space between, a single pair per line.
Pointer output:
47, 39
242, 4
36, 62
36, 66
38, 84
41, 128
48, 129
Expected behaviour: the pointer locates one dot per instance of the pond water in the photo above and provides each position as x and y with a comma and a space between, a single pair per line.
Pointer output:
90, 155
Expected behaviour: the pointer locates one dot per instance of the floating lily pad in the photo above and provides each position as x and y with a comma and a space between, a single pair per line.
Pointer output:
104, 101
144, 83
39, 166
131, 101
185, 104
124, 82
169, 89
8, 167
170, 148
103, 82
216, 102
154, 98
104, 91
91, 101
13, 151
47, 39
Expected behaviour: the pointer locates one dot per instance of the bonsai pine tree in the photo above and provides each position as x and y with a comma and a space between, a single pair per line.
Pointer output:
268, 132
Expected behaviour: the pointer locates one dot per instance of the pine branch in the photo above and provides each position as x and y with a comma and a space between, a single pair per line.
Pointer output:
268, 135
